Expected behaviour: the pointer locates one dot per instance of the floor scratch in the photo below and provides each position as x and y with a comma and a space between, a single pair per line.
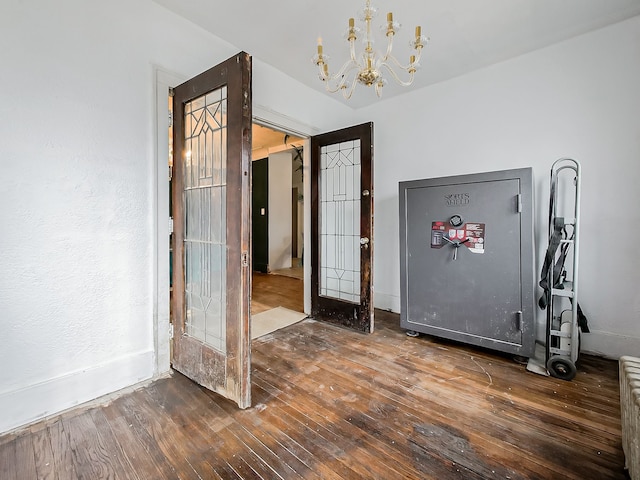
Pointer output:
485, 372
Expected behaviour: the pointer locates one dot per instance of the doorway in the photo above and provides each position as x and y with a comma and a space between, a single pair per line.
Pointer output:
262, 116
163, 331
280, 283
277, 219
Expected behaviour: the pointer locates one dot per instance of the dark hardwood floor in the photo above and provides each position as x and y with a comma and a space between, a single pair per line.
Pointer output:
332, 404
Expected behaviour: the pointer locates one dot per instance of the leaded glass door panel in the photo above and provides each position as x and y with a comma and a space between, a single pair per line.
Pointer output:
211, 211
342, 227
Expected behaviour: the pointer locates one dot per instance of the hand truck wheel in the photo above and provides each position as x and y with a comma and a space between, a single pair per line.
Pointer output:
561, 367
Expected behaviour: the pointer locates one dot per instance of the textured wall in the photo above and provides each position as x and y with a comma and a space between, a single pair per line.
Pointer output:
78, 190
76, 246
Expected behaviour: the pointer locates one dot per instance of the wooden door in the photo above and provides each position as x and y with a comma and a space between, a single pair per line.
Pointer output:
342, 227
212, 213
260, 215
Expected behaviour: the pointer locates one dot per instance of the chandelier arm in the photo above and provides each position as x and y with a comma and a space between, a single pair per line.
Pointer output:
389, 48
396, 77
378, 88
346, 68
332, 85
323, 76
398, 64
352, 50
346, 93
339, 81
332, 90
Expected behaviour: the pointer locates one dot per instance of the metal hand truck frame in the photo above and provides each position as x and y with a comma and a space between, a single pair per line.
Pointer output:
562, 328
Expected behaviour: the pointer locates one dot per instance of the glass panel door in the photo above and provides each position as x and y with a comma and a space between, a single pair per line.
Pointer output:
342, 227
211, 210
204, 196
340, 219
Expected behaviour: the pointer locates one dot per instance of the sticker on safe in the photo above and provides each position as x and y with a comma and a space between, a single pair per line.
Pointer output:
471, 235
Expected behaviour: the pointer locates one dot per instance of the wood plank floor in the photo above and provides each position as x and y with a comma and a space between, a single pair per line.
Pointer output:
271, 291
332, 404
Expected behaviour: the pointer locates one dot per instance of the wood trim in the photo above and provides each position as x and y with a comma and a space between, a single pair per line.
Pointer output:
366, 229
244, 377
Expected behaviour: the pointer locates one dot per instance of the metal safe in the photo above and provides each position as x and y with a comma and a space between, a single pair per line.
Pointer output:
467, 261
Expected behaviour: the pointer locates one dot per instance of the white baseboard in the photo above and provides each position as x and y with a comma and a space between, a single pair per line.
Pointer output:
385, 301
609, 345
34, 402
602, 344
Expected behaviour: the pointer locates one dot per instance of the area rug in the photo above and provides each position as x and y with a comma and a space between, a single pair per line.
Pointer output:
293, 272
267, 322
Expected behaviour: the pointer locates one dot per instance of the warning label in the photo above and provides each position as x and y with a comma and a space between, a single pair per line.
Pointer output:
471, 235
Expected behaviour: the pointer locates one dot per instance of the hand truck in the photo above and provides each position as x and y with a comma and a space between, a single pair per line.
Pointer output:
564, 316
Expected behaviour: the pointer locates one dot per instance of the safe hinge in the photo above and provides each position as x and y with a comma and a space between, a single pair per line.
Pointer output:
170, 119
519, 202
519, 319
170, 225
171, 330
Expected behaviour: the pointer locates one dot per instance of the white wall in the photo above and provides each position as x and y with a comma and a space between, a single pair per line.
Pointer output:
78, 193
580, 99
280, 210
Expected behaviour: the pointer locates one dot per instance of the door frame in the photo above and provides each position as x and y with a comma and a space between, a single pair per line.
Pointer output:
163, 81
269, 118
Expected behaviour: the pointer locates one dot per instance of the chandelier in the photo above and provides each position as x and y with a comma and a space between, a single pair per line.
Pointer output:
368, 67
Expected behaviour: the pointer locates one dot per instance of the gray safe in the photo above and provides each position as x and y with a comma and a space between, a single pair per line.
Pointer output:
467, 261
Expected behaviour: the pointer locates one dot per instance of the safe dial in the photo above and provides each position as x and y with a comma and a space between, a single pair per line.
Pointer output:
456, 221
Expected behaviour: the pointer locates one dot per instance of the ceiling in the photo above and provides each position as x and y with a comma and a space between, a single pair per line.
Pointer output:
266, 140
465, 35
